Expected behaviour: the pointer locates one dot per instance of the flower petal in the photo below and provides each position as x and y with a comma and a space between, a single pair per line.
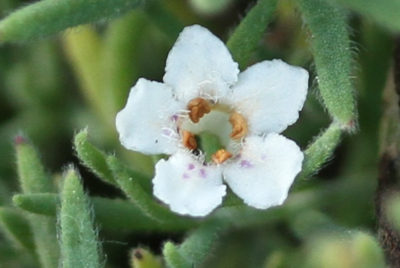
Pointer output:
187, 186
265, 170
270, 95
199, 64
146, 124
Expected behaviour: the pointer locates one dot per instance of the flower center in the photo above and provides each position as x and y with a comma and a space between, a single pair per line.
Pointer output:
214, 129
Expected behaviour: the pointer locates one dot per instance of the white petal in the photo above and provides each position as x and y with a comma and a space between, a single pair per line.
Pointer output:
270, 95
199, 64
187, 186
265, 170
147, 124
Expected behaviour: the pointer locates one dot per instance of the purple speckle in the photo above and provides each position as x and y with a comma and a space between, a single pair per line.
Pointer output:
174, 117
203, 173
185, 176
166, 132
19, 140
245, 164
263, 157
190, 166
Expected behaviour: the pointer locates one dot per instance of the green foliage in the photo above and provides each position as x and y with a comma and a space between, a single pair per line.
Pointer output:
49, 17
198, 244
133, 190
385, 12
193, 251
121, 53
79, 246
31, 172
247, 35
333, 59
39, 203
16, 227
81, 79
357, 250
96, 160
33, 179
173, 257
164, 20
92, 158
84, 49
321, 150
107, 212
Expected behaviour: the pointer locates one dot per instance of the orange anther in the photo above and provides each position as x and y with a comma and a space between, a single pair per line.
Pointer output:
189, 140
197, 108
221, 156
239, 126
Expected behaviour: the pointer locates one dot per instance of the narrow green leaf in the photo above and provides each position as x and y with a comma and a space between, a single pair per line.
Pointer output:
79, 244
173, 257
311, 222
133, 190
16, 227
121, 54
333, 59
385, 12
110, 214
84, 50
246, 37
31, 172
196, 247
48, 17
39, 203
92, 158
34, 179
375, 61
320, 150
199, 244
164, 20
96, 160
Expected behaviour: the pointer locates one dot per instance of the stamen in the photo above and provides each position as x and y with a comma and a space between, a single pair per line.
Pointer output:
221, 156
197, 108
189, 140
239, 126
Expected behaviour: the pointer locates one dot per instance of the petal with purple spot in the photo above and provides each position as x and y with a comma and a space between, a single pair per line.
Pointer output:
188, 186
265, 170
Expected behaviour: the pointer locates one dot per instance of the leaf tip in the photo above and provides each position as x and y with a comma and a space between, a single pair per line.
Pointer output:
137, 254
81, 136
17, 200
350, 127
19, 140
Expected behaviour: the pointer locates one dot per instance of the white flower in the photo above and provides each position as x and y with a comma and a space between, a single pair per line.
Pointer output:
203, 91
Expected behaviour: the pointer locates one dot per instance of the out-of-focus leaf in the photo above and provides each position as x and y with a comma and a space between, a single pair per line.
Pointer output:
48, 17
251, 29
17, 228
34, 179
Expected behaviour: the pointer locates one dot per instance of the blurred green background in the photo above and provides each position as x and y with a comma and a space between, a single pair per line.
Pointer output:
52, 87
